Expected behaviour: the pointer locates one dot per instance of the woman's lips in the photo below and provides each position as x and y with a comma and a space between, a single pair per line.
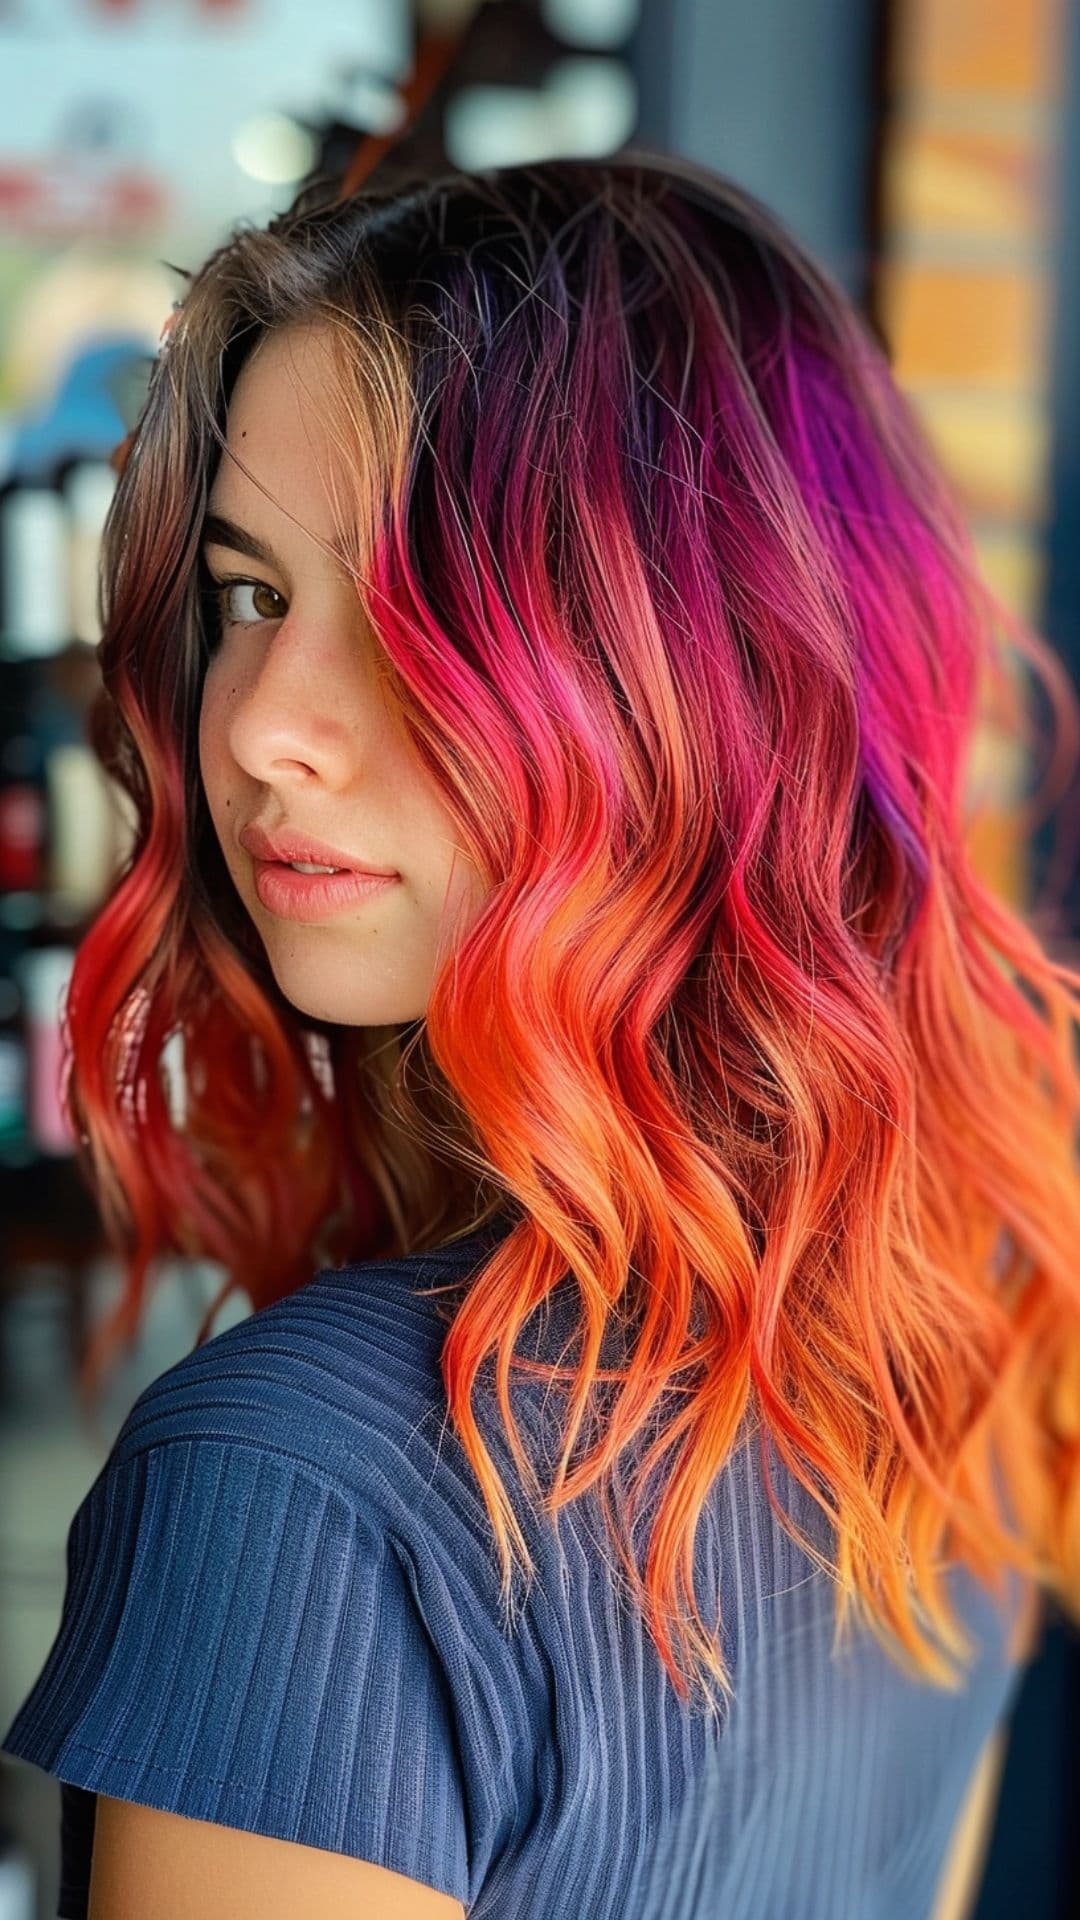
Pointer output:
315, 896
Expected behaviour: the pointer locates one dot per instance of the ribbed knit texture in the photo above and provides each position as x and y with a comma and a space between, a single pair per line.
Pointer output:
281, 1614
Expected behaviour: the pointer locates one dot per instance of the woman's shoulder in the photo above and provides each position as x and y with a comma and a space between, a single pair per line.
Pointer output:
341, 1378
262, 1610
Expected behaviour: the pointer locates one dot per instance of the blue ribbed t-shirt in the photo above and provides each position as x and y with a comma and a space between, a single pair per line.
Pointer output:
282, 1614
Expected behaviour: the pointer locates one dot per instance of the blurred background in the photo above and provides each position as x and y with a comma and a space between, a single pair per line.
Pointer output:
928, 151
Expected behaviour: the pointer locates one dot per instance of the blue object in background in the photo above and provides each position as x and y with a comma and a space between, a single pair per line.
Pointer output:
97, 400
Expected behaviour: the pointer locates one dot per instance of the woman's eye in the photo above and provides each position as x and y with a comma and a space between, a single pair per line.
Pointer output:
267, 603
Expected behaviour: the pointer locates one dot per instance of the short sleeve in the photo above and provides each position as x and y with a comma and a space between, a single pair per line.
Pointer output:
239, 1644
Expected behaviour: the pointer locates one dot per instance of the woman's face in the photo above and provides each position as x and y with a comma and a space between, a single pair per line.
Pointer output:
297, 731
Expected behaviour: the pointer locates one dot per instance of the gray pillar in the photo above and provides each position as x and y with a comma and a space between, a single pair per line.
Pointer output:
780, 95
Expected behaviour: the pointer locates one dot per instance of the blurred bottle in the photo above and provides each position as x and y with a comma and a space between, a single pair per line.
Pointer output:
81, 825
23, 802
35, 574
89, 486
43, 973
15, 1145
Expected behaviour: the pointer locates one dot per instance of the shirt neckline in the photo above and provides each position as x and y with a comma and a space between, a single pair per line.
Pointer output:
491, 1230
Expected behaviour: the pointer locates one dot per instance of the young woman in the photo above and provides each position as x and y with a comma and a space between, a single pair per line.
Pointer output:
649, 1151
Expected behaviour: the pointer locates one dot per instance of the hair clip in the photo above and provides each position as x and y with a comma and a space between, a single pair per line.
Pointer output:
118, 458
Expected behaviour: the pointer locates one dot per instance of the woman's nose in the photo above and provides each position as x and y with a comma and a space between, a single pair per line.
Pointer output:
302, 705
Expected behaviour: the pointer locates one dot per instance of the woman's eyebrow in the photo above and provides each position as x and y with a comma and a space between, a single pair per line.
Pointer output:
218, 531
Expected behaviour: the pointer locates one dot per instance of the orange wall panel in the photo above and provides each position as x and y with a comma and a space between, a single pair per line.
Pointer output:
941, 182
1004, 47
983, 324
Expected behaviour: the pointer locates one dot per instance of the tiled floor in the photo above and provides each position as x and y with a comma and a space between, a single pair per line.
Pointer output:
47, 1462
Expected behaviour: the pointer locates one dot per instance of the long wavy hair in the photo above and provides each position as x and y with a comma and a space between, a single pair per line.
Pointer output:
685, 624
